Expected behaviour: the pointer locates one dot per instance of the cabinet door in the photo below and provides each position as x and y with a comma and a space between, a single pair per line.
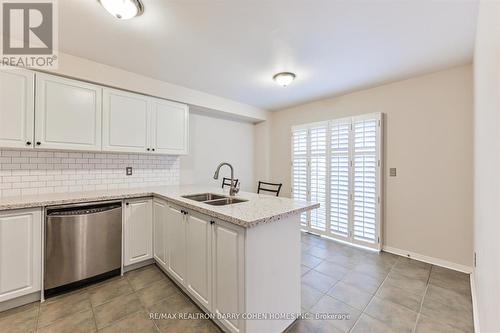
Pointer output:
160, 232
67, 114
138, 231
199, 258
20, 253
176, 243
170, 127
228, 269
17, 112
125, 121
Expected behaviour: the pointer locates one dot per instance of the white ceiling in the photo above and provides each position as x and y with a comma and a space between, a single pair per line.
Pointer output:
232, 48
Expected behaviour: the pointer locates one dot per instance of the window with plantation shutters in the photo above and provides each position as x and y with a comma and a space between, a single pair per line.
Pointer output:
338, 164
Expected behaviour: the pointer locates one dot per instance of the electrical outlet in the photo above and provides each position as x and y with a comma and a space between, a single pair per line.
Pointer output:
392, 172
128, 171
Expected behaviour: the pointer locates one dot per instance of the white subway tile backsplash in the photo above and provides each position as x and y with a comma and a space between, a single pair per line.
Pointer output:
26, 172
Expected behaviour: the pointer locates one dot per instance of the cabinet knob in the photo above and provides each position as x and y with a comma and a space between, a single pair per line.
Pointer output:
38, 143
147, 149
212, 222
127, 203
28, 143
153, 149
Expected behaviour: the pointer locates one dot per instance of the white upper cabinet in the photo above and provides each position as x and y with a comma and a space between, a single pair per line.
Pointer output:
170, 127
67, 114
126, 121
51, 112
17, 112
138, 123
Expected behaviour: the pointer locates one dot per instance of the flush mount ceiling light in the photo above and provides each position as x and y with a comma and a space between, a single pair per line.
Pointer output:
123, 9
284, 78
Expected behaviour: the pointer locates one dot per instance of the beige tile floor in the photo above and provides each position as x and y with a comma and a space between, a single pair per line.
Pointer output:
379, 292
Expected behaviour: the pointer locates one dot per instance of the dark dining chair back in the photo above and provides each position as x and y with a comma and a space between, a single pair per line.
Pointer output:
269, 187
227, 182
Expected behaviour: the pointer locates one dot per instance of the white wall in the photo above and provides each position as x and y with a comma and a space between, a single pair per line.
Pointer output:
487, 166
85, 69
428, 138
215, 140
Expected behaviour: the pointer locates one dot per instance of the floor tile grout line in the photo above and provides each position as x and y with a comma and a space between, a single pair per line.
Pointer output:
92, 309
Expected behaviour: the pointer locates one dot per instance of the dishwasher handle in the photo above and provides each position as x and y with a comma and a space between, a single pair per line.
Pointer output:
83, 210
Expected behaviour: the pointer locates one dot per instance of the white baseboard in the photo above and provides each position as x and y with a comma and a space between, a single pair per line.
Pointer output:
427, 259
473, 291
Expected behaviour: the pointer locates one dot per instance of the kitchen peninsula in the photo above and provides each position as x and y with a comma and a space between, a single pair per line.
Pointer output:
237, 257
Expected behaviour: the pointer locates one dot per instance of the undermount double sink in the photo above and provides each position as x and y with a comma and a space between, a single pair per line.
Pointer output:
213, 199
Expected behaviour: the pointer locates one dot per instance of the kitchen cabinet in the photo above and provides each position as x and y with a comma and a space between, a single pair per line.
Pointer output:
51, 112
138, 230
228, 271
170, 127
20, 253
199, 257
138, 123
160, 232
17, 110
176, 243
206, 257
126, 121
67, 114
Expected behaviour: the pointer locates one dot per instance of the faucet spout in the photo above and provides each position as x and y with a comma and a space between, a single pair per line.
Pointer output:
233, 189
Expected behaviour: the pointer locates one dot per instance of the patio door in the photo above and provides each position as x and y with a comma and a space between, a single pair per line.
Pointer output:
338, 164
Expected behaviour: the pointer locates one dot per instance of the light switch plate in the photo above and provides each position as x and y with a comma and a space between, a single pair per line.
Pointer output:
128, 171
392, 172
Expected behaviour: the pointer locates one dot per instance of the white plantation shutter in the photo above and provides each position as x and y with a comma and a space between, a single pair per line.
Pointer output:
339, 177
365, 179
299, 167
318, 175
337, 164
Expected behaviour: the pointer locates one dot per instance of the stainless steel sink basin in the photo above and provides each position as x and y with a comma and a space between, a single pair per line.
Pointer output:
225, 201
213, 199
203, 197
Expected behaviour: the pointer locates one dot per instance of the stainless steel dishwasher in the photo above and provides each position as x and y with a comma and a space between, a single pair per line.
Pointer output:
82, 244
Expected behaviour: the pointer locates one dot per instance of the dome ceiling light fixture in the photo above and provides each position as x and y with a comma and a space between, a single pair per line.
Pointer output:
284, 78
123, 9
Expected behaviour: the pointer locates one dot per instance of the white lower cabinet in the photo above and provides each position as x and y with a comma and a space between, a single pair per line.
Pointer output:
199, 258
138, 230
228, 273
160, 210
176, 238
20, 253
206, 257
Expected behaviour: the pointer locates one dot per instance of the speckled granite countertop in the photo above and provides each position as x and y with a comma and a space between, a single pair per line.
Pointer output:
258, 209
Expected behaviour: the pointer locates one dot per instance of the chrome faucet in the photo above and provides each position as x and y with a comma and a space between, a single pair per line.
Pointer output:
234, 188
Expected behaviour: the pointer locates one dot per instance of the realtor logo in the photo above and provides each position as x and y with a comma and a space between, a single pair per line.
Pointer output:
29, 37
